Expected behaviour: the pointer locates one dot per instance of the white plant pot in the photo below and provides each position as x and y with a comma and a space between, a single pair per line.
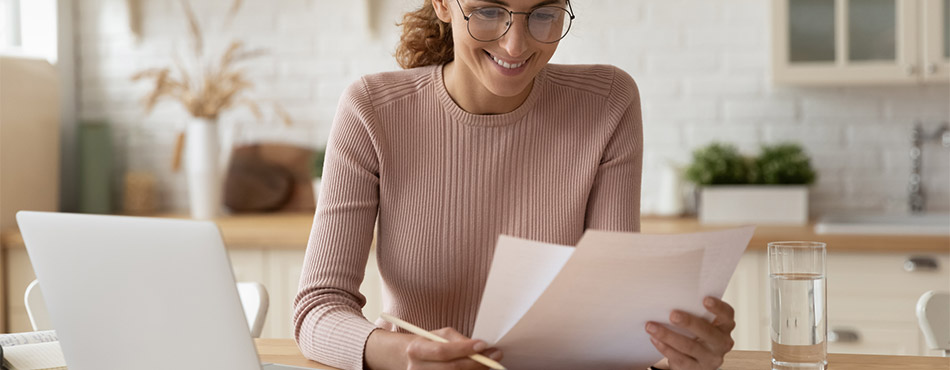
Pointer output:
202, 169
754, 204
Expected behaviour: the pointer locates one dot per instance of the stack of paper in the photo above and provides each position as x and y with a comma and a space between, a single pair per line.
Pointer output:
34, 356
16, 339
557, 307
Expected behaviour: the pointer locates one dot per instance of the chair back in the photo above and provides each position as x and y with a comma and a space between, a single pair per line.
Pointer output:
933, 315
36, 307
254, 300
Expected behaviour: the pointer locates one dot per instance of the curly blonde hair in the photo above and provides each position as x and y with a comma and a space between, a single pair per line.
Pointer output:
425, 40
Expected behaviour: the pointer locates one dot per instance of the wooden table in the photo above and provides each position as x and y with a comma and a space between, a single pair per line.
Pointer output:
284, 351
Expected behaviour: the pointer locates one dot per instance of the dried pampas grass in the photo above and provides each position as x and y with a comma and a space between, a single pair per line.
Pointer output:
220, 87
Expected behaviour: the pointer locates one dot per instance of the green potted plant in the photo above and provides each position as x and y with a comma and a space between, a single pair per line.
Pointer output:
718, 164
316, 171
771, 188
783, 164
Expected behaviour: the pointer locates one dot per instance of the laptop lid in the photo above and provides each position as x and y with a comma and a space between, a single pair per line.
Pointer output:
138, 293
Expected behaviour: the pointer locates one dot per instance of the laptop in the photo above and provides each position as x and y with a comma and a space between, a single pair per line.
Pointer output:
139, 293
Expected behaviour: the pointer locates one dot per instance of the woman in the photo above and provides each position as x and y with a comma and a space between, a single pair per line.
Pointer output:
478, 137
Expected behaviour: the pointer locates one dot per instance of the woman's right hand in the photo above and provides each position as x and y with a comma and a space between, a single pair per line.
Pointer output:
388, 350
425, 354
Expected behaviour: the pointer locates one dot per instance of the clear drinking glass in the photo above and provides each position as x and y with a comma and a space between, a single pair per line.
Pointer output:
799, 324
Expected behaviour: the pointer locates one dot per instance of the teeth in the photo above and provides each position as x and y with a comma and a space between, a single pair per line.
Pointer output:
506, 65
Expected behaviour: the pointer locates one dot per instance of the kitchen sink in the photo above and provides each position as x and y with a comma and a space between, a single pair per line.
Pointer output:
885, 224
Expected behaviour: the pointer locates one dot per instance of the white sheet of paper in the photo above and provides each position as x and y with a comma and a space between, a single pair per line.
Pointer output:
593, 313
521, 270
723, 250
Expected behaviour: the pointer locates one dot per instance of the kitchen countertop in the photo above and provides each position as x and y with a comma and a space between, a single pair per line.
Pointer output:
285, 351
291, 230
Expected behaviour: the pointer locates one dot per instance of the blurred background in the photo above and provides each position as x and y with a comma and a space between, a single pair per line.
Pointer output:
704, 71
861, 87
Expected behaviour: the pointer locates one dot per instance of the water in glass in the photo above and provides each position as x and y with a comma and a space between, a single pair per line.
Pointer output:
798, 324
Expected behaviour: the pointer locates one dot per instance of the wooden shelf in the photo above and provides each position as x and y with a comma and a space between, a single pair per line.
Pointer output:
291, 231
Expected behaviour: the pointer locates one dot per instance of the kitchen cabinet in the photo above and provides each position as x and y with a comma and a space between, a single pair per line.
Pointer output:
872, 301
19, 274
747, 293
855, 42
279, 271
874, 296
869, 291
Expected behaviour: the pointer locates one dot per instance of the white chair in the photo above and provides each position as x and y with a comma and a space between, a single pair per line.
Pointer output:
253, 295
933, 315
36, 307
255, 301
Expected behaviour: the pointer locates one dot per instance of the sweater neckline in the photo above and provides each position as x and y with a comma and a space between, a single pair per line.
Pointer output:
487, 120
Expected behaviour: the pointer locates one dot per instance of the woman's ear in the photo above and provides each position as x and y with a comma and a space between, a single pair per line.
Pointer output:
443, 10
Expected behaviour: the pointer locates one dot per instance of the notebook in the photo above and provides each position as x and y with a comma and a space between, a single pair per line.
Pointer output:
35, 356
139, 293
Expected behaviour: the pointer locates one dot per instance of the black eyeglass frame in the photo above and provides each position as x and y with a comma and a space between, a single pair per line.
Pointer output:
511, 15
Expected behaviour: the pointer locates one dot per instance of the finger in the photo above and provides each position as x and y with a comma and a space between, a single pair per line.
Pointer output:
675, 359
426, 350
451, 334
717, 340
725, 314
682, 343
460, 364
454, 336
494, 354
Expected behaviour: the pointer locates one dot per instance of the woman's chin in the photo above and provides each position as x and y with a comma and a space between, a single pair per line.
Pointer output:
509, 90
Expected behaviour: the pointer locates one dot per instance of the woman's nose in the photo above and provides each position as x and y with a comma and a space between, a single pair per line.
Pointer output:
515, 40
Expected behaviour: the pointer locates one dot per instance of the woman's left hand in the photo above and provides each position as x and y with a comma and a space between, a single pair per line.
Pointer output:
712, 342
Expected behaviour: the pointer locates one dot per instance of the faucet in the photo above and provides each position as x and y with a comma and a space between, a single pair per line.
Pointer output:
916, 196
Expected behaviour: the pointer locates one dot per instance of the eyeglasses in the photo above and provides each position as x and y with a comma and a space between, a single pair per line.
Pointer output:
546, 24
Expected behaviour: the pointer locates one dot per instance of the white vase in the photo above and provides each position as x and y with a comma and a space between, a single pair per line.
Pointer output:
201, 168
669, 201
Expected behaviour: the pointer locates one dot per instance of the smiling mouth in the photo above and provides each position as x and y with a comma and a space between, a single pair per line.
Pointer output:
506, 64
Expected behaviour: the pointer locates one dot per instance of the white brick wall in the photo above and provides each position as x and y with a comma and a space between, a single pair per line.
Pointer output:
702, 67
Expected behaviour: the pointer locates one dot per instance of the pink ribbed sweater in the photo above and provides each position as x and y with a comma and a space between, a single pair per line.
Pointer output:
443, 183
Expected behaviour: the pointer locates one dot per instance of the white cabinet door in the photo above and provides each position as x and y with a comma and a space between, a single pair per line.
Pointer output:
283, 270
19, 274
874, 287
248, 265
874, 297
936, 40
870, 295
835, 42
874, 338
745, 293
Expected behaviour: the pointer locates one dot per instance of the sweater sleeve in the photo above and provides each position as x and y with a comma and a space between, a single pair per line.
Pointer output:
614, 202
328, 324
